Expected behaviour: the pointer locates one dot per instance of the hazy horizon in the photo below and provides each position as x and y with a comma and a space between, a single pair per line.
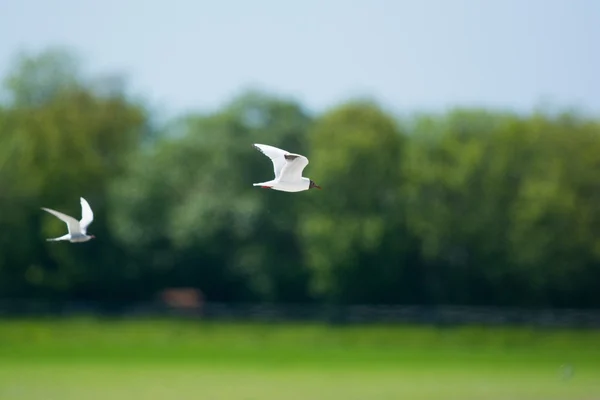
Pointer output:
409, 56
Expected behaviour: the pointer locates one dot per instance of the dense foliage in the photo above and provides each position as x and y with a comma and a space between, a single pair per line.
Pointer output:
471, 207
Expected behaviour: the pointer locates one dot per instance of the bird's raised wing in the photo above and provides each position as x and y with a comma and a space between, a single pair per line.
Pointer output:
292, 170
87, 216
72, 223
276, 155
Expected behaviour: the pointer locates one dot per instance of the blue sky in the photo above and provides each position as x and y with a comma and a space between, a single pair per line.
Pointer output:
409, 55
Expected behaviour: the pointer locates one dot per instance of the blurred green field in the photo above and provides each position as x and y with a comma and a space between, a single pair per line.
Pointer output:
175, 359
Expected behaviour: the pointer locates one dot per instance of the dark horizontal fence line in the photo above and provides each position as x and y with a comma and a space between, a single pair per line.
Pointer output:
356, 314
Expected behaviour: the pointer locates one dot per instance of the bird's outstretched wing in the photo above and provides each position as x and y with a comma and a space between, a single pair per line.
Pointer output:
276, 155
72, 223
292, 170
87, 216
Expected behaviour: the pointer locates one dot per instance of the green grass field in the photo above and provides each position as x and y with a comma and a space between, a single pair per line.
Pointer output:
83, 359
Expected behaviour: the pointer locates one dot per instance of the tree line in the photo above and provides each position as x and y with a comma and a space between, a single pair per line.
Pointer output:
467, 207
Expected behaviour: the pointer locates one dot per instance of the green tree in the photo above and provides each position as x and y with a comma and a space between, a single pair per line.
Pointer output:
353, 231
191, 198
555, 215
490, 196
61, 140
472, 207
37, 78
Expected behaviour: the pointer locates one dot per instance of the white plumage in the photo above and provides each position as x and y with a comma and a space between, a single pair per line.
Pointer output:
288, 169
77, 229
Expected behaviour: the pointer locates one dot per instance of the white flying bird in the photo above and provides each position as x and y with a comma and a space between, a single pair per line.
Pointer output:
77, 229
288, 169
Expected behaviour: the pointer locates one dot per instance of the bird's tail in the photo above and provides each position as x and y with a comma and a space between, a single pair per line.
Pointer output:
64, 237
268, 183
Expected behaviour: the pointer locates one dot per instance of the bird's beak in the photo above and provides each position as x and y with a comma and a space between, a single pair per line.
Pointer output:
318, 187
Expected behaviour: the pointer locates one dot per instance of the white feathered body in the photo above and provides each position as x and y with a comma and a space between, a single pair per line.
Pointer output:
285, 186
287, 168
77, 229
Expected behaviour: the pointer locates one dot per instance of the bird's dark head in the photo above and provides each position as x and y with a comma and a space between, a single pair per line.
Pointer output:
313, 185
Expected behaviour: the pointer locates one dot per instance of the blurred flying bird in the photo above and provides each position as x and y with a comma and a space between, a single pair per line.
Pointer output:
288, 169
77, 229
